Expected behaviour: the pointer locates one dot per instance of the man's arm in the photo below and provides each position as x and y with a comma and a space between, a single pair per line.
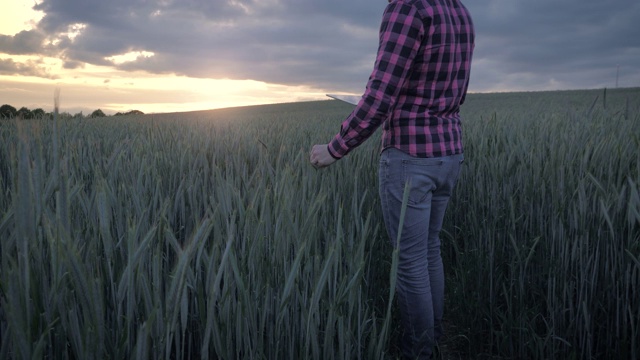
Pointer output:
401, 34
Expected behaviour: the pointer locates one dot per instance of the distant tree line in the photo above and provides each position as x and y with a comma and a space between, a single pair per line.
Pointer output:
10, 112
132, 112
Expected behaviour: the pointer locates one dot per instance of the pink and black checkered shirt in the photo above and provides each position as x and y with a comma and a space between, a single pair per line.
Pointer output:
418, 83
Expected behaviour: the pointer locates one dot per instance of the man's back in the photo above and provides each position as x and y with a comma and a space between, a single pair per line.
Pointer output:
440, 72
419, 81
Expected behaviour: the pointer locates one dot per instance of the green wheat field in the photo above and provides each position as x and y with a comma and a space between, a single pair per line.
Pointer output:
208, 235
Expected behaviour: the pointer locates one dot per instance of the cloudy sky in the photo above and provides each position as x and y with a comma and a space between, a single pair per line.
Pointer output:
178, 55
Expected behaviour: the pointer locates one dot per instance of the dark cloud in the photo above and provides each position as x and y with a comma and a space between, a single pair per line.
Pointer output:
73, 65
23, 43
521, 45
572, 43
28, 68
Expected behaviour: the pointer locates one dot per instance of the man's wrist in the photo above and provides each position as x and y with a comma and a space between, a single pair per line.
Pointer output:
331, 152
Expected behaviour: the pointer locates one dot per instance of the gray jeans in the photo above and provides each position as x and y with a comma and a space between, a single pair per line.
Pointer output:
420, 281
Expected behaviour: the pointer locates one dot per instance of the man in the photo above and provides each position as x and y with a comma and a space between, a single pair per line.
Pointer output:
419, 81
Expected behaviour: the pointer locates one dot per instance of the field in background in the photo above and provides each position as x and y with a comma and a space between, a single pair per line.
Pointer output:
209, 234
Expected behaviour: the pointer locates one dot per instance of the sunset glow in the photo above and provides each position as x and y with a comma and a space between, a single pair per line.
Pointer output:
118, 91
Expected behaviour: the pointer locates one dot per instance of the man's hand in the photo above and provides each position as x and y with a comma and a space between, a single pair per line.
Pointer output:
320, 156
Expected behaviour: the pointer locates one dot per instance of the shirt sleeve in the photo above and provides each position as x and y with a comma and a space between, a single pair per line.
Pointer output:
401, 34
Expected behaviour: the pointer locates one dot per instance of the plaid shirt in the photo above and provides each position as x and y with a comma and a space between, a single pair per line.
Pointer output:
418, 83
